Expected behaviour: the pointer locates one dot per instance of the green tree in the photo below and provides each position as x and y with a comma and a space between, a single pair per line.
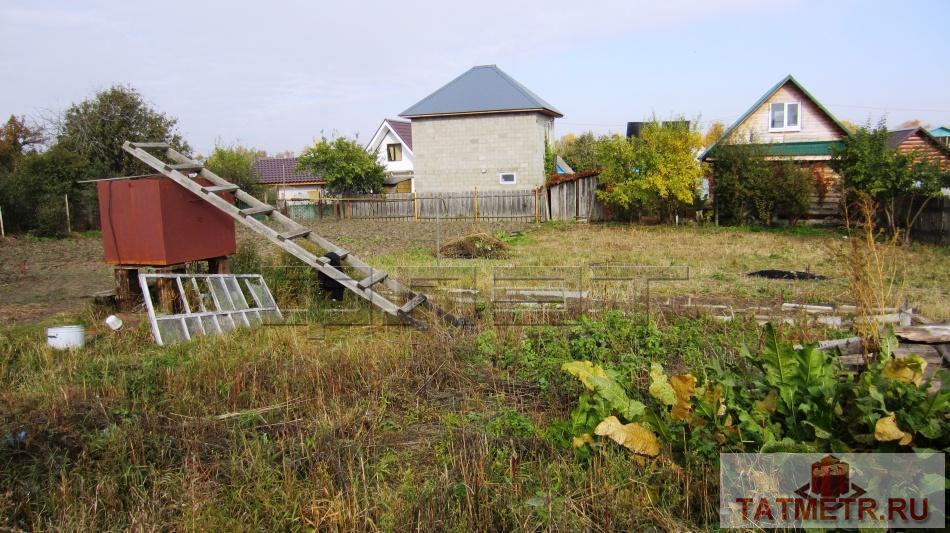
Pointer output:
900, 183
33, 195
18, 138
579, 151
236, 164
345, 165
548, 158
656, 171
749, 187
96, 128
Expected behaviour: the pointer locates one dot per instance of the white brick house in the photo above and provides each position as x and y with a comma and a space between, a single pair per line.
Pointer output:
482, 130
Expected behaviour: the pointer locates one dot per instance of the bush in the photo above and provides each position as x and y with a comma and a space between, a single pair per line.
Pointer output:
748, 187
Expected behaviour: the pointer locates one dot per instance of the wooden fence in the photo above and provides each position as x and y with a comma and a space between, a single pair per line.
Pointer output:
517, 205
575, 199
571, 198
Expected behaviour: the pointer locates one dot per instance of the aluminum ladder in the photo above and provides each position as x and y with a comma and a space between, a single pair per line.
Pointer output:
287, 232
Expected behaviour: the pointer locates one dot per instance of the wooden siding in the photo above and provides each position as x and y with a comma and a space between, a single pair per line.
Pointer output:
816, 125
925, 148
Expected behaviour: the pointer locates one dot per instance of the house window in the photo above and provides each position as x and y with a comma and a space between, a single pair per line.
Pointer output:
394, 152
507, 178
785, 116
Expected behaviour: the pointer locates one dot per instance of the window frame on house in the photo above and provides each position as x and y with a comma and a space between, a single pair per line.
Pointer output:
391, 154
785, 107
514, 178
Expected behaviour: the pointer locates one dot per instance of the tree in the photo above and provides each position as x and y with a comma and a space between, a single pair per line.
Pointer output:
579, 151
96, 128
749, 187
656, 171
16, 139
345, 165
32, 196
850, 126
549, 163
900, 183
236, 164
713, 133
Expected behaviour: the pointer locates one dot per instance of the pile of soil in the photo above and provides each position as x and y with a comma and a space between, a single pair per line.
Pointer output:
476, 244
786, 274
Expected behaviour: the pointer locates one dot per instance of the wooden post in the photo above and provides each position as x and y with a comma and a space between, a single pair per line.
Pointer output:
475, 206
219, 265
168, 299
2, 232
126, 287
415, 206
69, 228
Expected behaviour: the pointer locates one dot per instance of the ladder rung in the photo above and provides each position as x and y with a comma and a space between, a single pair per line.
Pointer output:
412, 304
190, 167
342, 254
150, 145
256, 210
220, 188
294, 234
373, 279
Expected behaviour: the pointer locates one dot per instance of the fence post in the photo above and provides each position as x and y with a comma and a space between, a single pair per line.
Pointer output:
475, 206
3, 233
69, 226
415, 207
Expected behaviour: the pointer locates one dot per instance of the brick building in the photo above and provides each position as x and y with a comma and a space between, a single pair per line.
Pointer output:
483, 129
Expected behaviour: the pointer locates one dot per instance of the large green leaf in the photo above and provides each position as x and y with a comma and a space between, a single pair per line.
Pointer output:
594, 378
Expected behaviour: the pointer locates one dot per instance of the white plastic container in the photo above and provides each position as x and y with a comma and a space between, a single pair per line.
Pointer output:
66, 337
114, 322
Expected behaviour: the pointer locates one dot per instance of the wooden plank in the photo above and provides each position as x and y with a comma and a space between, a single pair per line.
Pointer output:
220, 188
293, 234
256, 210
373, 279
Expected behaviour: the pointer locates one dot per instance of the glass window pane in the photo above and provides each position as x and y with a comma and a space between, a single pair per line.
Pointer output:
792, 115
777, 119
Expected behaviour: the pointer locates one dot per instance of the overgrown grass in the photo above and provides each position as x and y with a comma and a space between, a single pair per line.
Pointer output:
344, 429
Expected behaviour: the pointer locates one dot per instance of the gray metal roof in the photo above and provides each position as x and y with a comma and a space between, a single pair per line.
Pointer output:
481, 89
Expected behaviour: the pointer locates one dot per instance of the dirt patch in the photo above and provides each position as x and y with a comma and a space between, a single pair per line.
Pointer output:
39, 278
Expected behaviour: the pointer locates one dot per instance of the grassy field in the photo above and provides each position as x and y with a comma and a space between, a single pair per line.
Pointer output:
383, 428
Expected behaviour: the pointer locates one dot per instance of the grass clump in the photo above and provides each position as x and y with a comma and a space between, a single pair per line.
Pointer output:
476, 244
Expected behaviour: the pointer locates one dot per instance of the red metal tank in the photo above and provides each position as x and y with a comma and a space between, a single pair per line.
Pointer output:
154, 221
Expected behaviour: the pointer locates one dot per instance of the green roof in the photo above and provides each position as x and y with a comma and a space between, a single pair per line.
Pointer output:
798, 149
802, 148
763, 99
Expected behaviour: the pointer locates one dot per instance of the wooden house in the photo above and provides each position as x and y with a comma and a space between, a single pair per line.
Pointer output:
791, 124
921, 143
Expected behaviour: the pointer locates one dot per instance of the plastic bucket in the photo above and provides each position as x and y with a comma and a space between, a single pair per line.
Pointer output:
66, 337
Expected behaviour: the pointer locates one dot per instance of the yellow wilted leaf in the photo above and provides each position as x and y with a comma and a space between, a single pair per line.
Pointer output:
684, 385
660, 385
633, 436
767, 404
583, 440
886, 430
584, 370
908, 369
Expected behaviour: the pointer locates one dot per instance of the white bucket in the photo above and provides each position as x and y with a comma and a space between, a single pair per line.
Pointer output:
66, 337
114, 322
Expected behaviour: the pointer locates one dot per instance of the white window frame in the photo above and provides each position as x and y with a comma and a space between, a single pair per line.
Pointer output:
502, 181
785, 126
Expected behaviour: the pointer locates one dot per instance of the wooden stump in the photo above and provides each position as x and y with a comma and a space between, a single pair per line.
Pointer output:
168, 296
127, 288
219, 265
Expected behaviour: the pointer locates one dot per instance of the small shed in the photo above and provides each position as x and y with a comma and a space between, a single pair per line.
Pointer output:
153, 221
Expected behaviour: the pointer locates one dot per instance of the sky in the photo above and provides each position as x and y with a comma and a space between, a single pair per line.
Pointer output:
277, 75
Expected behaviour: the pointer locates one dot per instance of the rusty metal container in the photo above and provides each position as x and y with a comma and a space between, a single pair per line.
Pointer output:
153, 221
